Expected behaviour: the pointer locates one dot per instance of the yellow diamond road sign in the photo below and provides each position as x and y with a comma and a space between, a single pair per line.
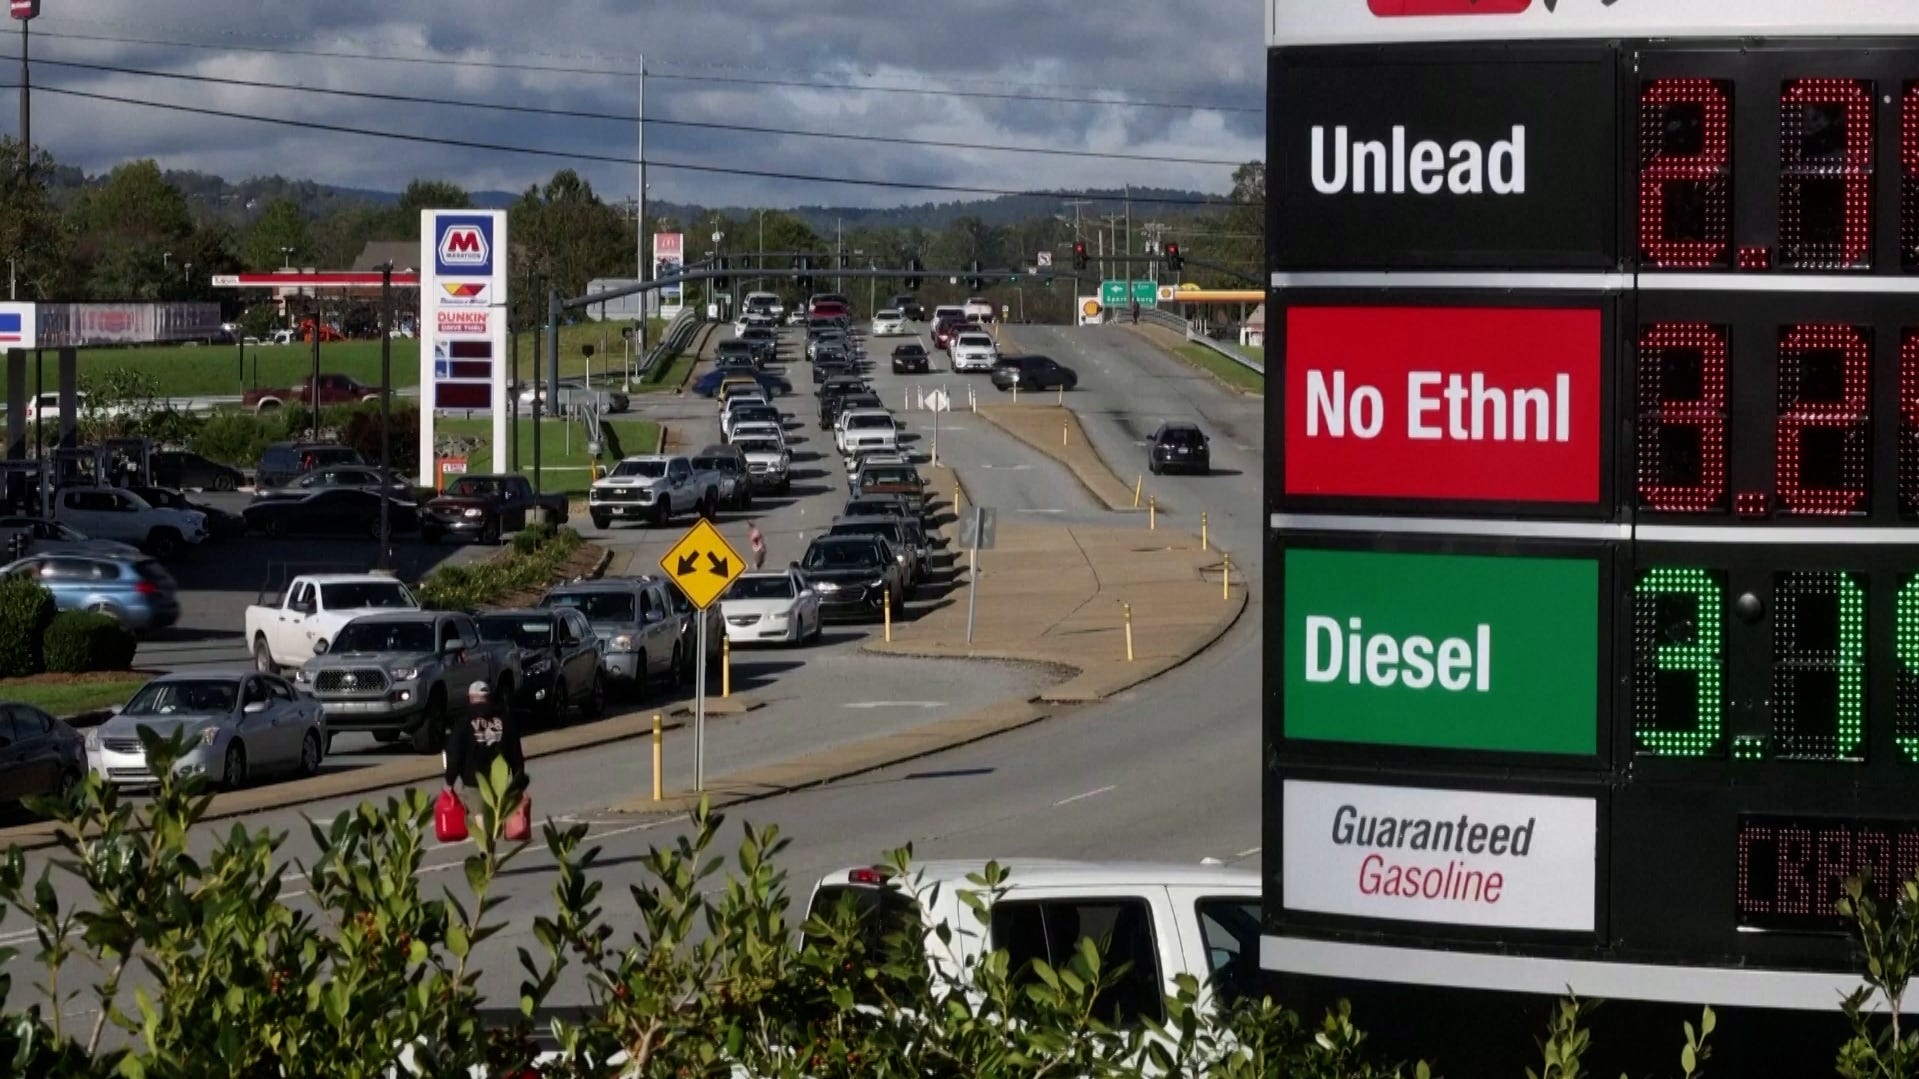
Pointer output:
702, 564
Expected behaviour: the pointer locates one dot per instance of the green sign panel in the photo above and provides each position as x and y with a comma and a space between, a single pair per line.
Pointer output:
1442, 651
1113, 293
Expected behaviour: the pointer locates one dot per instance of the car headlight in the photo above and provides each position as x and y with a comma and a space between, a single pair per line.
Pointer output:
473, 511
825, 586
623, 643
208, 735
778, 616
877, 582
404, 674
300, 675
93, 738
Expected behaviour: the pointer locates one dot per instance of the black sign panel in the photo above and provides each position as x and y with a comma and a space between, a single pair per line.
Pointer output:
1482, 158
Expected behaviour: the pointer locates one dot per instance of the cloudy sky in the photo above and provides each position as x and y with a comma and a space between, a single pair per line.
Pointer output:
1204, 56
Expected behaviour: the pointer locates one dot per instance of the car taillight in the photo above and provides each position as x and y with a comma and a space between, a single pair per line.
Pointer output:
874, 876
147, 588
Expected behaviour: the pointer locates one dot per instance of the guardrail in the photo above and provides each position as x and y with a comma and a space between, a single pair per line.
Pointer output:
678, 333
1167, 320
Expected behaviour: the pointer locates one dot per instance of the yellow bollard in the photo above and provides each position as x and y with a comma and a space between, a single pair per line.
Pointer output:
1016, 391
1139, 483
1062, 432
726, 666
956, 494
1226, 578
1062, 395
1152, 513
1126, 612
887, 614
1202, 530
659, 759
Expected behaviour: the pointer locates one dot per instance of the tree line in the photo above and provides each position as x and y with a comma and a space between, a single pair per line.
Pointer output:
135, 234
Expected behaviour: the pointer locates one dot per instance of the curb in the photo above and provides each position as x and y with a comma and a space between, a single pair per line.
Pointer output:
828, 766
1238, 391
1071, 466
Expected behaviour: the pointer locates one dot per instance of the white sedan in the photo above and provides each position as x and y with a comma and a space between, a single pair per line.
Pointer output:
775, 607
888, 323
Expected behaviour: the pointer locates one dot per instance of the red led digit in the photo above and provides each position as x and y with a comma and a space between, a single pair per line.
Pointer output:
1825, 374
1909, 178
1825, 174
1909, 425
1680, 459
1685, 173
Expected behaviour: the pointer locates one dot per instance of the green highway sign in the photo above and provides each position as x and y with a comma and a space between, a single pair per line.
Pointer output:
1442, 651
1113, 293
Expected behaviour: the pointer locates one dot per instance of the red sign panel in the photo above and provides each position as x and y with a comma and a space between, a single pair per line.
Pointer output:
1394, 8
1444, 403
24, 9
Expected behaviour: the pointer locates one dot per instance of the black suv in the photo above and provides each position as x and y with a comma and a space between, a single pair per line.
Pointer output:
1032, 373
911, 359
1179, 447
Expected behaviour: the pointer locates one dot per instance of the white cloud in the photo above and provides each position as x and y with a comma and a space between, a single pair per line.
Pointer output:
1200, 51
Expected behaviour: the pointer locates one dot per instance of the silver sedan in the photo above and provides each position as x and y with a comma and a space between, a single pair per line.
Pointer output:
233, 725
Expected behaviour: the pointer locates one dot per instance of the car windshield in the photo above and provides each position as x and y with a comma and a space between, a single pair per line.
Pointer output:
348, 595
840, 556
869, 421
893, 474
757, 445
976, 340
883, 529
1180, 436
872, 507
596, 606
474, 487
888, 314
759, 414
519, 629
199, 696
761, 588
363, 636
651, 470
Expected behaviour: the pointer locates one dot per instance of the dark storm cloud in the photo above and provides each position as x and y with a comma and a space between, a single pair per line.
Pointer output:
1206, 51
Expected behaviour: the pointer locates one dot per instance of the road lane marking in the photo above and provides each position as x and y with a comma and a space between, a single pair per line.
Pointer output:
894, 704
1087, 794
1247, 853
1040, 511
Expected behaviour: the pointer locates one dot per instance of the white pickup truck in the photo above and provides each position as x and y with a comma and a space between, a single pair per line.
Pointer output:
1164, 919
304, 620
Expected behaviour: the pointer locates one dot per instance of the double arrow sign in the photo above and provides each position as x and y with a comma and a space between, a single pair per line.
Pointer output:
688, 564
703, 564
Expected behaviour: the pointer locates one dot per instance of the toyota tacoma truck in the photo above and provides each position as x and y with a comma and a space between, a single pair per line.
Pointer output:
334, 390
303, 621
653, 487
404, 674
487, 507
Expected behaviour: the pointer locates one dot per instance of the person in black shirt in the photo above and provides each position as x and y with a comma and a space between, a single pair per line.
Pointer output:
487, 732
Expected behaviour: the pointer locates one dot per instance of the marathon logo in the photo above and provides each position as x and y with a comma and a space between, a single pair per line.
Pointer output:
465, 246
10, 332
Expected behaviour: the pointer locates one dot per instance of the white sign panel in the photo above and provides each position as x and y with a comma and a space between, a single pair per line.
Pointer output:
1508, 861
1338, 22
669, 258
463, 317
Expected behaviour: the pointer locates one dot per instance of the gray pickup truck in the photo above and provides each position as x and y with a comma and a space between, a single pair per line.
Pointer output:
405, 674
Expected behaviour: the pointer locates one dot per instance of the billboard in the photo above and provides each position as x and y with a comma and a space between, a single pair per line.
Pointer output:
463, 322
669, 258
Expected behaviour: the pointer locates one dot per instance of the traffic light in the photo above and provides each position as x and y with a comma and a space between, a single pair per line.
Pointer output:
1079, 254
918, 267
720, 283
1173, 261
976, 283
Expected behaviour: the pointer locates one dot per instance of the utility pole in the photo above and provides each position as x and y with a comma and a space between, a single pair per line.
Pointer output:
1154, 232
386, 411
26, 95
839, 256
639, 211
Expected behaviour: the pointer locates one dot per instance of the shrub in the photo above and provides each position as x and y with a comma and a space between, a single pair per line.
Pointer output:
80, 641
238, 438
528, 539
25, 610
362, 432
525, 564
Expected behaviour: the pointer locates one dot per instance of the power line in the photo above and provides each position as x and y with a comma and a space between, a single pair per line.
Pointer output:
630, 118
501, 65
613, 159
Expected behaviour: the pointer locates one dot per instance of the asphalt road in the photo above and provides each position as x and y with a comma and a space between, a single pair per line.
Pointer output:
1167, 771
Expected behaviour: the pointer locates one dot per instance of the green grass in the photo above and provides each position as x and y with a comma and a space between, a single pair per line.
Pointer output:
68, 698
563, 467
1222, 368
667, 377
210, 370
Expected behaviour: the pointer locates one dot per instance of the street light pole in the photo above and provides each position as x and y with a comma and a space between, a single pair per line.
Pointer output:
639, 210
386, 412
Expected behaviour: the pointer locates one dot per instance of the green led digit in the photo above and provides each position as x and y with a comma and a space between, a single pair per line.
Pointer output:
1679, 707
1905, 722
1819, 666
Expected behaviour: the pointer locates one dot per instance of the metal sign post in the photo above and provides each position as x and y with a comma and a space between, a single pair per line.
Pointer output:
975, 535
703, 565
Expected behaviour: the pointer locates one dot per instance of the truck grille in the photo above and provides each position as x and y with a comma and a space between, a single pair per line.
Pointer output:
123, 745
618, 494
355, 681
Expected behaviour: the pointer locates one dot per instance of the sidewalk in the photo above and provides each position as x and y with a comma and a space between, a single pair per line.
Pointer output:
1057, 595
